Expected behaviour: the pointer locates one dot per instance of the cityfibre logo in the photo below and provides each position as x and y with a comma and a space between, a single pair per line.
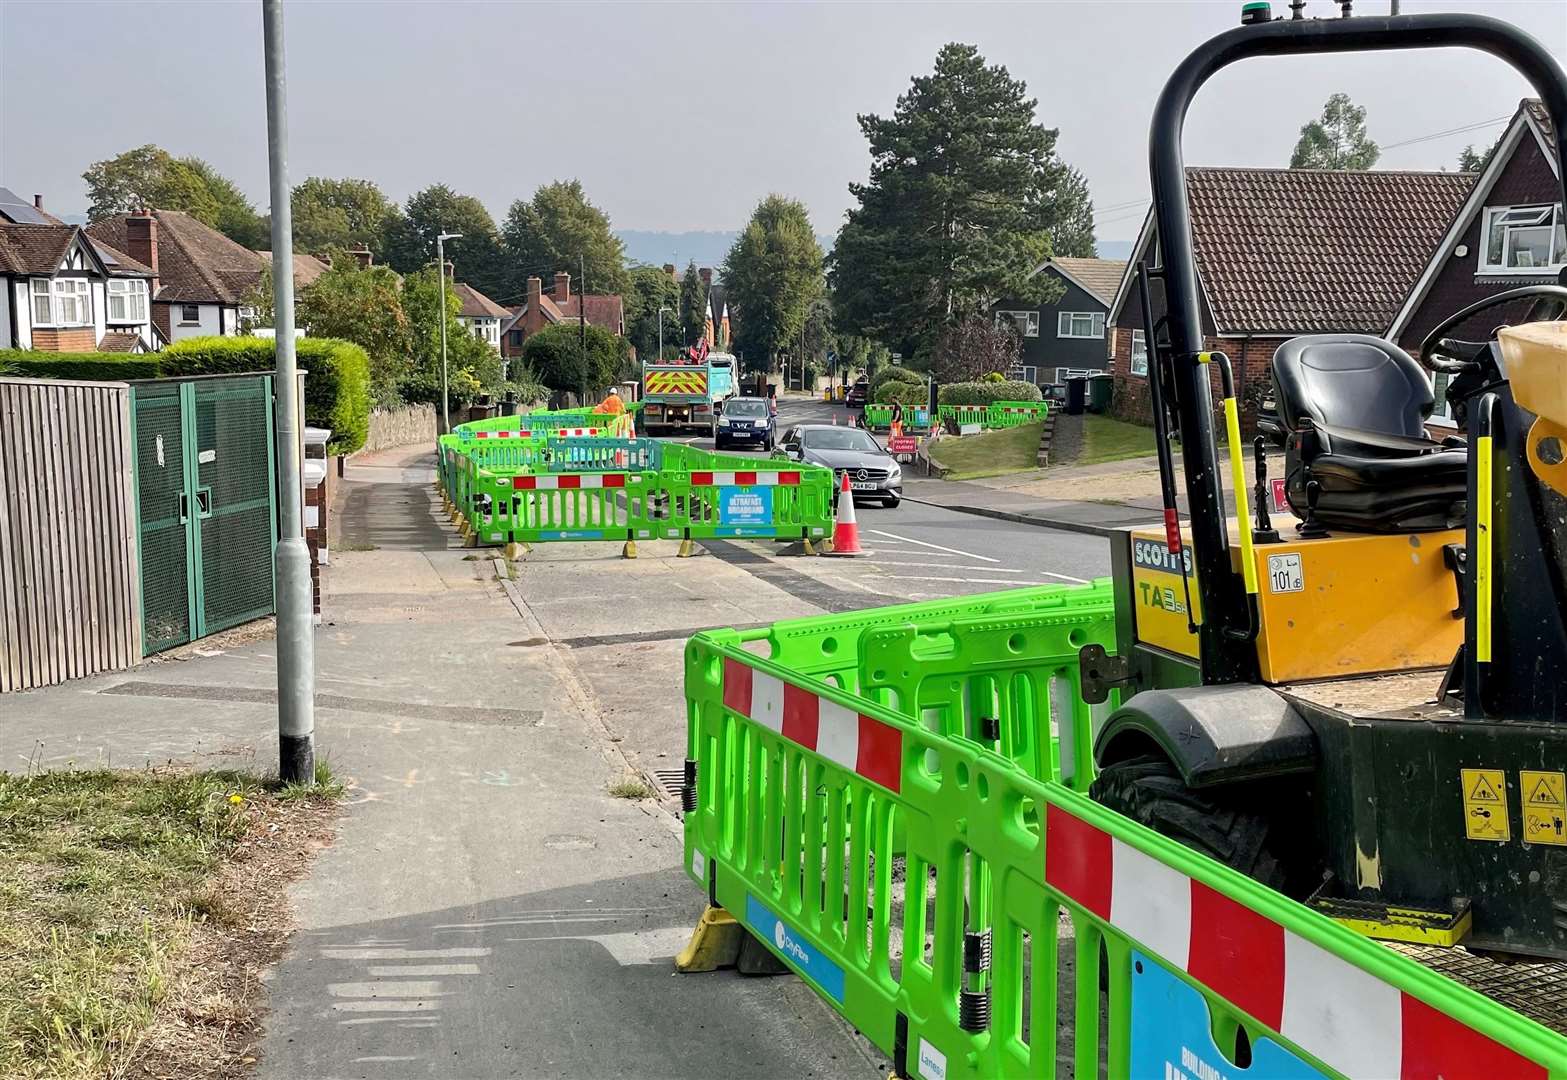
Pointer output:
788, 945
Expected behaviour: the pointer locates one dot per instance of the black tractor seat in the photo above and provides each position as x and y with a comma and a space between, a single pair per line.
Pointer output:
1353, 408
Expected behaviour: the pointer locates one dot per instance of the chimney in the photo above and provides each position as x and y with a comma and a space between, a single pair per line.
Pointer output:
451, 270
141, 241
707, 277
38, 202
362, 256
562, 292
533, 321
669, 268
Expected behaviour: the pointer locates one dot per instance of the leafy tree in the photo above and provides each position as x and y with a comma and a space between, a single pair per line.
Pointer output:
339, 214
771, 275
1337, 139
974, 348
966, 196
693, 305
558, 229
473, 366
648, 289
408, 238
235, 217
149, 177
1471, 160
555, 355
364, 306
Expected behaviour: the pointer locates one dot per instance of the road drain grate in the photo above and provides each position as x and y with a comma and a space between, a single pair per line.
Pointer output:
669, 780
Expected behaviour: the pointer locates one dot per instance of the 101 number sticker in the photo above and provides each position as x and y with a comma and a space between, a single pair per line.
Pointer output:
1285, 573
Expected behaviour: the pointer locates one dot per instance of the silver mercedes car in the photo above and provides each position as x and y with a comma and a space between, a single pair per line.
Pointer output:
872, 472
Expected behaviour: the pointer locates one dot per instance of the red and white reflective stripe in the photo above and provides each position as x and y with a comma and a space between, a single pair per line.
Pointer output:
1348, 1018
749, 479
869, 747
569, 481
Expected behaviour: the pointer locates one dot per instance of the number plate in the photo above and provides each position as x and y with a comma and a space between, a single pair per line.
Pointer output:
1285, 573
862, 485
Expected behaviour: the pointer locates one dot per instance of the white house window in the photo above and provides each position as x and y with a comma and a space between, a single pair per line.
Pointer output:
1139, 354
1080, 324
1027, 322
1522, 239
61, 302
127, 300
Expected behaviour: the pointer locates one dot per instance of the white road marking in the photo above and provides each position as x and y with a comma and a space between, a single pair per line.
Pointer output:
949, 566
386, 1006
423, 969
920, 554
1064, 577
408, 989
938, 547
979, 581
402, 954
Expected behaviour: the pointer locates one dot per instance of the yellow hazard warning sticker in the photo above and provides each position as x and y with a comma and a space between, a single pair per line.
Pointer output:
1544, 807
1485, 804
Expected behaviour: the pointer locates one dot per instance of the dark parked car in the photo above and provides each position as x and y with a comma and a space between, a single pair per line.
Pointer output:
872, 472
745, 420
855, 398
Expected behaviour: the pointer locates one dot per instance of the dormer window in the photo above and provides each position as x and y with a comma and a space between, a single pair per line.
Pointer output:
1523, 240
61, 302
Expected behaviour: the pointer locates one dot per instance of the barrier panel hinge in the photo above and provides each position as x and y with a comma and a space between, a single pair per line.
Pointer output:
1102, 673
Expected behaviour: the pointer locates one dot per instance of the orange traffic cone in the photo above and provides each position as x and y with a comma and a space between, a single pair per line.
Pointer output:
846, 531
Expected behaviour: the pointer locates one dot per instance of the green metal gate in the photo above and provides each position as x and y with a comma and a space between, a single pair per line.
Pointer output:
207, 504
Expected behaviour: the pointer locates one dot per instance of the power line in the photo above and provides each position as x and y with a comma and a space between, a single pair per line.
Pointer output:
1478, 125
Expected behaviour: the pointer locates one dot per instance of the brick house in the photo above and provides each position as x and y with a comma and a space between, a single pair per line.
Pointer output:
63, 291
204, 283
1509, 232
560, 304
1285, 252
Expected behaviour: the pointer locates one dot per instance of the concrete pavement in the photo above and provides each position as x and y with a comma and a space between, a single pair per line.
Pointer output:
488, 909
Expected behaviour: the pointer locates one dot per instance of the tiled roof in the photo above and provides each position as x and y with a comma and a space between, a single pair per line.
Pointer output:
1099, 276
603, 309
306, 267
1314, 250
1536, 110
33, 249
196, 263
475, 305
120, 341
117, 262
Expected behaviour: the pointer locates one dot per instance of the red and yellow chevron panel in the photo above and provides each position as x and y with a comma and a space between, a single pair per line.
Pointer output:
675, 382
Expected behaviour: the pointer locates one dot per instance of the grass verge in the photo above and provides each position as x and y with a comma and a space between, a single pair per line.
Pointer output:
1107, 439
137, 912
990, 453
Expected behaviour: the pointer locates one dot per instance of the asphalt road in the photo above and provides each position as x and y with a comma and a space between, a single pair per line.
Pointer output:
917, 552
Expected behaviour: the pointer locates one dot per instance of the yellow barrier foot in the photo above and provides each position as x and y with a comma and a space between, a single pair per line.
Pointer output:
630, 550
687, 549
514, 551
715, 943
471, 540
809, 548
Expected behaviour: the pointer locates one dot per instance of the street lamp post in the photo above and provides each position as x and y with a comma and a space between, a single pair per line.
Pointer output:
440, 269
663, 308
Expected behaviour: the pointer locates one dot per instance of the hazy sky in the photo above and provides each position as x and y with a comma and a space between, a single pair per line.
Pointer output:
678, 116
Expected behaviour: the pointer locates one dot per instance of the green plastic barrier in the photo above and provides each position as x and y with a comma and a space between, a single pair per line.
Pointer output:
955, 908
878, 417
1005, 414
964, 415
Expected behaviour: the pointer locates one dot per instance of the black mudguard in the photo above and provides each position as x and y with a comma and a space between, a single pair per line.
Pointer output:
1213, 734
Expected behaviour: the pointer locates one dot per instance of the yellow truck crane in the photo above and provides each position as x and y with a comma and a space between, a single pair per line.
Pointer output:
1366, 709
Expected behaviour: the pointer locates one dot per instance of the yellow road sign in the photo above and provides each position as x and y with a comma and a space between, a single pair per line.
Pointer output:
1544, 807
1485, 805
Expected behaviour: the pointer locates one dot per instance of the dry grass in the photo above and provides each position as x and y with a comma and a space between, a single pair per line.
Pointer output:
632, 787
137, 912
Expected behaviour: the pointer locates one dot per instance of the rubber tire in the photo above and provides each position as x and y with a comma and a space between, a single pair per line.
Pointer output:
768, 445
1219, 823
891, 502
717, 443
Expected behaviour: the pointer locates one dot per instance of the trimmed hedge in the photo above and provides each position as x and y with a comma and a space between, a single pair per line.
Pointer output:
983, 393
909, 395
82, 366
892, 375
337, 387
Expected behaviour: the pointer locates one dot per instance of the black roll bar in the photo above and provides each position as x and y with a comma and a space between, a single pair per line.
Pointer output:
1227, 653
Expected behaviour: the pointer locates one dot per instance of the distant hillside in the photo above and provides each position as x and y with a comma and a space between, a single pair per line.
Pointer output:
707, 248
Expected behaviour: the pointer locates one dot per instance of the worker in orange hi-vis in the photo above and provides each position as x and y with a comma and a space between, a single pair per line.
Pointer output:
896, 424
611, 405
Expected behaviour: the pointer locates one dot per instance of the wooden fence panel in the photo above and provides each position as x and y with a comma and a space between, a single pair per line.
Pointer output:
69, 588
